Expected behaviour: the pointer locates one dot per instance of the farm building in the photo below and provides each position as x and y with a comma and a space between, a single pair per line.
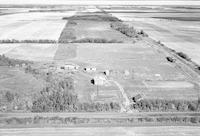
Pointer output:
71, 67
107, 72
99, 80
137, 98
52, 68
90, 69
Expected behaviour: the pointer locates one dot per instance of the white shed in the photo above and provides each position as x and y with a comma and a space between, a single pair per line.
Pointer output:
99, 80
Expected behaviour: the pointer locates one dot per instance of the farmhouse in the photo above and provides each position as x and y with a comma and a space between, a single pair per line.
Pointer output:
90, 69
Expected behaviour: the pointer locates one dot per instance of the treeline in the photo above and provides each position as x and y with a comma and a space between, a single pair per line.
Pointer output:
167, 105
96, 40
5, 61
56, 120
94, 17
127, 30
27, 41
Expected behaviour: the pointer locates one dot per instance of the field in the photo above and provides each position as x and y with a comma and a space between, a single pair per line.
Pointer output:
177, 28
33, 26
96, 30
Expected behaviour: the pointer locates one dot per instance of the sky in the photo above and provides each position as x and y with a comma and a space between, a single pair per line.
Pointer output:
104, 2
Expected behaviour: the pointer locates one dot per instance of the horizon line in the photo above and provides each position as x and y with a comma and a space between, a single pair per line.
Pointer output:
100, 2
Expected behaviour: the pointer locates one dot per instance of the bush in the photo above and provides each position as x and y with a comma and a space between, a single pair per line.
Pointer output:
184, 56
143, 33
192, 106
9, 96
194, 120
127, 30
124, 29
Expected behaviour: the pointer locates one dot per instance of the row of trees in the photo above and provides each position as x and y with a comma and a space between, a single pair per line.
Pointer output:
27, 41
127, 30
167, 105
96, 40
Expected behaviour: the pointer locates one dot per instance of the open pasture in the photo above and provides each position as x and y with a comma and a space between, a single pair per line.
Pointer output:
33, 26
32, 52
